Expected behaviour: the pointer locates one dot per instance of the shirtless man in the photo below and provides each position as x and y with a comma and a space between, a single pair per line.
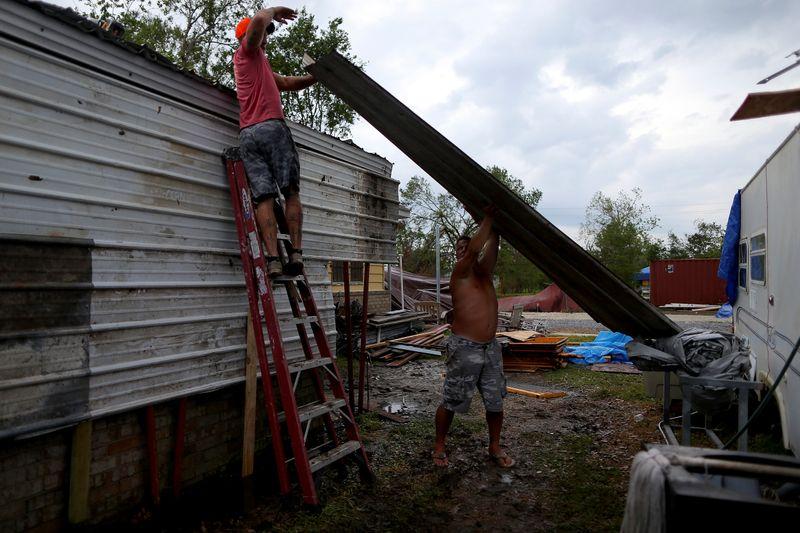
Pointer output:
474, 360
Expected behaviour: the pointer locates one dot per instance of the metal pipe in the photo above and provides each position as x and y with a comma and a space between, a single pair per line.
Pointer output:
349, 334
723, 466
363, 354
438, 272
402, 292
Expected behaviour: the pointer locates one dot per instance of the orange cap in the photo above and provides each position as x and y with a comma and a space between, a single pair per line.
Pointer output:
241, 28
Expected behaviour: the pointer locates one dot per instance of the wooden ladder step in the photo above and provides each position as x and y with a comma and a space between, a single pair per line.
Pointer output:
286, 279
331, 456
315, 410
308, 364
302, 320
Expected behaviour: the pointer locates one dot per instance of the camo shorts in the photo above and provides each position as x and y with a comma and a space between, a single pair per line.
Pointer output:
270, 159
473, 366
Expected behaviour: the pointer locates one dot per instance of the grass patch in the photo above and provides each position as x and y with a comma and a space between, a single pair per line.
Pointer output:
576, 337
600, 385
583, 493
404, 495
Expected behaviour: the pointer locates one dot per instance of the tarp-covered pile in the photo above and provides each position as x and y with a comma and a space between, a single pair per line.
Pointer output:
550, 300
700, 353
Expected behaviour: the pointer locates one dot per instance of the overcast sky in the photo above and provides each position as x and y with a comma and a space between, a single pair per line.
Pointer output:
575, 97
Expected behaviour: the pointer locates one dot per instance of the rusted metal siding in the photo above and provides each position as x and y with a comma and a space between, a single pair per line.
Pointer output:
686, 281
120, 278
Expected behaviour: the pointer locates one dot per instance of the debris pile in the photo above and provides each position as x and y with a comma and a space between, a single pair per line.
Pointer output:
537, 353
398, 352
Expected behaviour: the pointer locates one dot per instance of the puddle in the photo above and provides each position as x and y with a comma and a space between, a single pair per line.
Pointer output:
400, 406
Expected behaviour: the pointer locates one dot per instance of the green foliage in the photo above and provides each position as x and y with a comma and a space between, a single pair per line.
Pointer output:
516, 273
316, 106
416, 237
705, 242
198, 36
617, 231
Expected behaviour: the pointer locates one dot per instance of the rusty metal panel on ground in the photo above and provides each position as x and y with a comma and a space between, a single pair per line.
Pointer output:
596, 289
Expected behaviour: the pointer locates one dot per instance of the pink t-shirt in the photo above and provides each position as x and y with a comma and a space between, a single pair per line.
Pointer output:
259, 98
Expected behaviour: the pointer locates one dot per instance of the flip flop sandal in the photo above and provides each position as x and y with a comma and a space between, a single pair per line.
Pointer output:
499, 460
442, 456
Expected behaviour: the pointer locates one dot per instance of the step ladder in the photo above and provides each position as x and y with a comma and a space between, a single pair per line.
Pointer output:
331, 406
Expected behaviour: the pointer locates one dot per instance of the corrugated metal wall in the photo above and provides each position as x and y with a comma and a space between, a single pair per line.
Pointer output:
686, 281
120, 281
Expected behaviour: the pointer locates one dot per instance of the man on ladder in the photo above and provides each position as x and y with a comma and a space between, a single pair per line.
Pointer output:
265, 142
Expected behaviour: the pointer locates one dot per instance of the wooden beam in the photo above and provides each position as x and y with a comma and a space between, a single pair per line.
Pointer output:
362, 358
250, 393
177, 464
349, 335
152, 454
534, 394
80, 461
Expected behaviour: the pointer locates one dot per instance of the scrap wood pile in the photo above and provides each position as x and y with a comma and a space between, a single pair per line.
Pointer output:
537, 353
397, 352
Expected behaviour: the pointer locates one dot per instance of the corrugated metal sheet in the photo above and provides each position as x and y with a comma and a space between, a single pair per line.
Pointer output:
595, 288
686, 281
120, 279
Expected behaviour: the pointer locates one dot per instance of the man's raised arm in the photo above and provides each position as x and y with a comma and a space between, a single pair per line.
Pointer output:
258, 24
293, 83
488, 259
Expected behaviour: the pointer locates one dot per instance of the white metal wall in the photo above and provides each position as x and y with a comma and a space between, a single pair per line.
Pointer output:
770, 204
120, 282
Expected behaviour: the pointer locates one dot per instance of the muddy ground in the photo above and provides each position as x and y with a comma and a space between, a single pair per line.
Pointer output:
572, 453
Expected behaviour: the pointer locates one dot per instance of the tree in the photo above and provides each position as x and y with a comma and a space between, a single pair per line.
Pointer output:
417, 240
315, 107
705, 242
198, 36
617, 231
429, 209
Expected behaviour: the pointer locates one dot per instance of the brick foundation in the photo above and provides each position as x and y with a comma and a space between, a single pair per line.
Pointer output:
379, 301
34, 484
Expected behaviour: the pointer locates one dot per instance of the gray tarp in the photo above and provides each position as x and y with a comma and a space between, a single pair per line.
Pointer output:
698, 353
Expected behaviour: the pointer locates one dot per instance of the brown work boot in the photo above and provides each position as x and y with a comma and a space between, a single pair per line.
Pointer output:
295, 265
274, 267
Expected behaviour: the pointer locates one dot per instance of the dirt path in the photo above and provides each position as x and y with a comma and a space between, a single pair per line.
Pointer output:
572, 453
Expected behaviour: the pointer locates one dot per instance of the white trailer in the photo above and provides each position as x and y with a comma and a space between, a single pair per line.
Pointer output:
767, 311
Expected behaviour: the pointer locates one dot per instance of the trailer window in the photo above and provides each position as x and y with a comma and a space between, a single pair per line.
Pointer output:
743, 264
758, 258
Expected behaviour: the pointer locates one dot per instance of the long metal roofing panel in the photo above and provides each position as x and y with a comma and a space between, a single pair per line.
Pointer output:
596, 289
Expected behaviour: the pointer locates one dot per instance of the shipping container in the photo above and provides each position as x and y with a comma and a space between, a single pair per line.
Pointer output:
686, 281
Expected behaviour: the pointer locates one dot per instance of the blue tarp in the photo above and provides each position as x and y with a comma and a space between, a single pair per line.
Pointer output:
729, 260
606, 343
726, 311
643, 274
